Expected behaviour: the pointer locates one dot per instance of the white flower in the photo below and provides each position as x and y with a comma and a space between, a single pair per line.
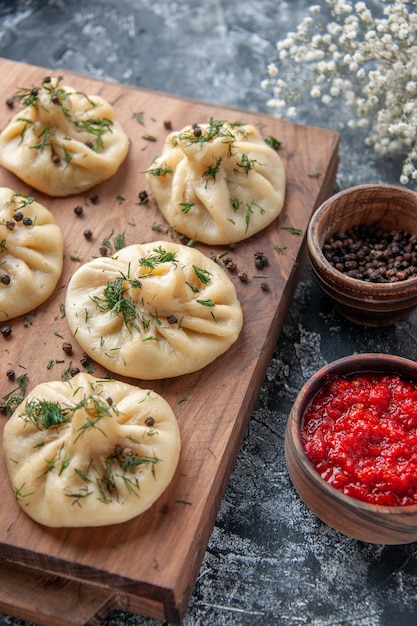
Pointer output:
366, 58
272, 70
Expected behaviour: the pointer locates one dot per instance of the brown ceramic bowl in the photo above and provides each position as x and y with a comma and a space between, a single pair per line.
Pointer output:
367, 522
365, 303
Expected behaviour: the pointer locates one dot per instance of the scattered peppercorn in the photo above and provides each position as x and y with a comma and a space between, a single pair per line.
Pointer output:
103, 250
34, 92
27, 221
10, 224
197, 130
261, 260
11, 374
143, 197
171, 319
89, 144
5, 279
85, 360
370, 253
264, 286
88, 233
94, 197
56, 159
109, 401
243, 277
168, 124
74, 371
67, 347
10, 103
230, 264
3, 408
78, 210
6, 331
47, 79
149, 421
18, 216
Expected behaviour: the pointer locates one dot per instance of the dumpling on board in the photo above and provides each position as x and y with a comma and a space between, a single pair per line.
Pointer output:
31, 254
64, 141
90, 452
218, 183
154, 310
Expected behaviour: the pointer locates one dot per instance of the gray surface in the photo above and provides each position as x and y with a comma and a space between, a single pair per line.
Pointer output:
269, 560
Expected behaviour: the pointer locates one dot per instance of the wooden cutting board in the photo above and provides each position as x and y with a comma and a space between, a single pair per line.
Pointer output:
149, 565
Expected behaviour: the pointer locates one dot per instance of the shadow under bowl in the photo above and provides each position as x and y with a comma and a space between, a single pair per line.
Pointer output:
360, 301
367, 522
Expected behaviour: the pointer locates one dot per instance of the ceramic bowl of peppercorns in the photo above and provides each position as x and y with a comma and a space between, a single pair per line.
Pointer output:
362, 244
351, 447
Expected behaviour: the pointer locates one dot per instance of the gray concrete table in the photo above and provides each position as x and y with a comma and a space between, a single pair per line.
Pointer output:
269, 560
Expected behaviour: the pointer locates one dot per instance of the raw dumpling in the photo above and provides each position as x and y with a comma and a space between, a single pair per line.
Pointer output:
31, 254
218, 183
153, 311
90, 452
64, 142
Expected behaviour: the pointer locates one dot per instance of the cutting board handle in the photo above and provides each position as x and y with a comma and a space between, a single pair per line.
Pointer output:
51, 600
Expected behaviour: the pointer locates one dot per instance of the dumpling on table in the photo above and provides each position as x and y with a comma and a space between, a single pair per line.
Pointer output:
90, 452
218, 183
31, 254
63, 141
154, 310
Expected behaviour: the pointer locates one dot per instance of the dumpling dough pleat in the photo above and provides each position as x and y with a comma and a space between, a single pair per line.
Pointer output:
153, 311
218, 183
90, 452
64, 142
31, 254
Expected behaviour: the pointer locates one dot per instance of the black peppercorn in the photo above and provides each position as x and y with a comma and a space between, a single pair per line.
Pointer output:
143, 196
11, 374
93, 197
88, 234
370, 253
78, 210
149, 421
5, 279
27, 221
6, 331
67, 347
18, 216
103, 250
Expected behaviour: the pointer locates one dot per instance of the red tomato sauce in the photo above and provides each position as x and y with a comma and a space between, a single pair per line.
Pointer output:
360, 434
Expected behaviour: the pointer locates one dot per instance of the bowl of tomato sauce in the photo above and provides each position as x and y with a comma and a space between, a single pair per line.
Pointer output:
362, 245
351, 447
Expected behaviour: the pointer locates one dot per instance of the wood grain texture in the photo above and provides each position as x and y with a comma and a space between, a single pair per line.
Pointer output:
151, 563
